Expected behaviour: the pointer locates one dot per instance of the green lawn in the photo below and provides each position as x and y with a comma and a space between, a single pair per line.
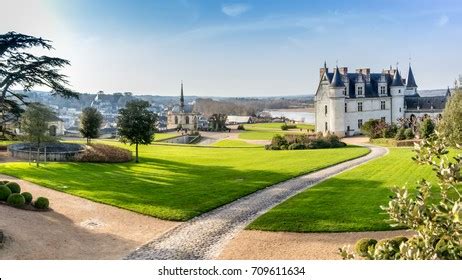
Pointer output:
235, 143
179, 182
350, 201
266, 131
163, 136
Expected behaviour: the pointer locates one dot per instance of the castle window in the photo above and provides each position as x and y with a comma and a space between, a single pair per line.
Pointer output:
325, 126
360, 90
382, 105
346, 107
325, 110
360, 106
176, 119
383, 90
360, 123
344, 91
187, 119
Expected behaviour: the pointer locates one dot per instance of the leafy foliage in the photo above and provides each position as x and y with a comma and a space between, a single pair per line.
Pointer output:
104, 153
427, 128
21, 69
90, 123
27, 196
436, 218
136, 124
5, 192
217, 122
304, 141
42, 203
14, 187
34, 123
16, 199
450, 125
379, 129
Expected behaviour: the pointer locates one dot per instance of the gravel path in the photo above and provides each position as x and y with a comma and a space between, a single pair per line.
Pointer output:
204, 236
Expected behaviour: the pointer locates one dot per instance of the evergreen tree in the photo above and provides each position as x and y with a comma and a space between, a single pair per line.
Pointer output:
90, 123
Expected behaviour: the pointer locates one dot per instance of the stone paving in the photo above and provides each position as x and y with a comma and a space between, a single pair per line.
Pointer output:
204, 236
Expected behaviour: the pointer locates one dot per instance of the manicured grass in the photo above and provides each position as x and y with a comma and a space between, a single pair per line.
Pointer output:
163, 136
179, 182
235, 143
266, 131
350, 201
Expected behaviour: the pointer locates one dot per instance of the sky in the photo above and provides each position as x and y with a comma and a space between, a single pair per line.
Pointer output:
239, 48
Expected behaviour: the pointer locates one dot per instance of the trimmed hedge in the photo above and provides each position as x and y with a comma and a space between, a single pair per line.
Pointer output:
16, 199
5, 192
14, 187
304, 141
27, 197
42, 203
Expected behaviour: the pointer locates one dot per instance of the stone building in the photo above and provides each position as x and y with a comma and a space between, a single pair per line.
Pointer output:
182, 116
345, 100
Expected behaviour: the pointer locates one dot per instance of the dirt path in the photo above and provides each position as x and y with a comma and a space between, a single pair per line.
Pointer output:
76, 228
205, 236
264, 245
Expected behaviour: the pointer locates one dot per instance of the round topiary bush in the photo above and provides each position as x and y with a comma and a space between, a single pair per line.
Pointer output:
16, 199
4, 182
42, 203
27, 196
14, 187
362, 246
5, 192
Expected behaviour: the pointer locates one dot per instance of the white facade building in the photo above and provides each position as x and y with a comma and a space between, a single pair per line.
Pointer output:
344, 101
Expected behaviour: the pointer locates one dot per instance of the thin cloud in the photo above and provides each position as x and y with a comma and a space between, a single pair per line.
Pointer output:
234, 10
443, 20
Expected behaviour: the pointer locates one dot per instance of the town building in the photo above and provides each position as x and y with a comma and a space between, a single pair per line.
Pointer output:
344, 101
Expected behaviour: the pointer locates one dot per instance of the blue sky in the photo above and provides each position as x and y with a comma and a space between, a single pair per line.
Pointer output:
240, 48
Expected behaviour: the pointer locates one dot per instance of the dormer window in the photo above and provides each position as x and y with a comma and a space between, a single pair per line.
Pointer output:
383, 90
360, 90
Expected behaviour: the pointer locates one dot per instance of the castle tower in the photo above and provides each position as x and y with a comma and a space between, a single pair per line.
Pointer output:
411, 86
336, 116
397, 89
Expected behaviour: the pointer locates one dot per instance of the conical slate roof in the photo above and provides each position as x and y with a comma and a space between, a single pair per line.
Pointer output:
397, 80
410, 79
337, 79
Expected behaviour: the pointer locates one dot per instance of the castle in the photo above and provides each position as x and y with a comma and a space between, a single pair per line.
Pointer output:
344, 101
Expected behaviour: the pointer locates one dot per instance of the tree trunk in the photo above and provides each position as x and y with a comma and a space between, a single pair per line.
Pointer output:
136, 153
88, 141
38, 156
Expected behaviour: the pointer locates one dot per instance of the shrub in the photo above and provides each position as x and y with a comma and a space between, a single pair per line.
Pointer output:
409, 134
386, 249
14, 187
104, 153
16, 199
288, 126
4, 182
296, 146
240, 127
5, 192
427, 128
364, 246
42, 203
27, 197
400, 134
278, 141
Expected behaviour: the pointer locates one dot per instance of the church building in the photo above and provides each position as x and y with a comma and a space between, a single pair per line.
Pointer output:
182, 116
345, 100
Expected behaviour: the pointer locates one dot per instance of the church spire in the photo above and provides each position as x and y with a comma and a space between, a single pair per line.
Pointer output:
181, 98
397, 80
410, 83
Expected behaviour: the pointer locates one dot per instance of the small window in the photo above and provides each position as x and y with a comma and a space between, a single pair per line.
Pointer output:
348, 128
360, 90
383, 119
382, 105
399, 91
325, 109
360, 123
383, 90
360, 106
325, 126
344, 91
346, 107
400, 109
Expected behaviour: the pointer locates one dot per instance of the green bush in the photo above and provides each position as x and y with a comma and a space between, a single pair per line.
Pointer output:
364, 246
4, 182
27, 197
400, 134
288, 126
5, 192
16, 199
427, 128
386, 249
296, 146
409, 134
42, 203
14, 187
240, 127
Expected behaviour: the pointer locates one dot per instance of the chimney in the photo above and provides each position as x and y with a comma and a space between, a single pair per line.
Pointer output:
366, 72
343, 70
321, 71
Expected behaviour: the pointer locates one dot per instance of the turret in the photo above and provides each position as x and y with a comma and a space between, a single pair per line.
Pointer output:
411, 86
397, 88
337, 103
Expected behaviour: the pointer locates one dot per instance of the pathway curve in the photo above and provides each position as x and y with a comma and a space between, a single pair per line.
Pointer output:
204, 236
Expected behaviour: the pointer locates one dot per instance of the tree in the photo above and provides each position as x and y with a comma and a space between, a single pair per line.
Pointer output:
435, 217
450, 126
19, 68
90, 123
427, 128
217, 122
34, 125
136, 124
